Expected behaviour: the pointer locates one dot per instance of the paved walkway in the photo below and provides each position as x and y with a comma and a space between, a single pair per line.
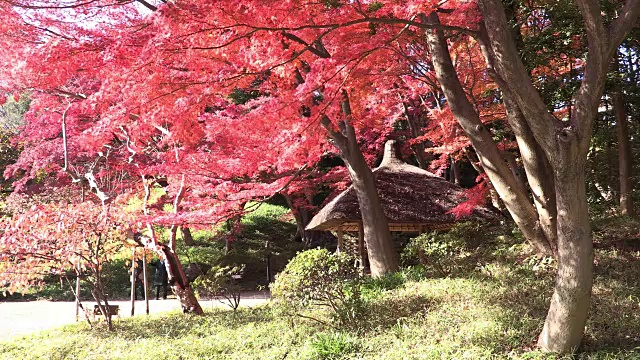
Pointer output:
19, 318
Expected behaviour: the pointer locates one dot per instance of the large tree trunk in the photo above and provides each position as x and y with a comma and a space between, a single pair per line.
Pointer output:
534, 160
382, 254
624, 150
568, 312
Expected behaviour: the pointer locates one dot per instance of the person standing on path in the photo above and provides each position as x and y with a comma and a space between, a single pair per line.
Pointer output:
160, 280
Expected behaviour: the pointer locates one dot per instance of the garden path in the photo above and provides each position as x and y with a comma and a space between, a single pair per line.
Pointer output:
24, 317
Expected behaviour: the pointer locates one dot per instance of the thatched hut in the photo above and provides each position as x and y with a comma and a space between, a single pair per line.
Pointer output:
413, 200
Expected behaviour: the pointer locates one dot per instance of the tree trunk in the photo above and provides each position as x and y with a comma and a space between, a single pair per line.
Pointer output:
493, 194
537, 168
382, 254
568, 312
495, 200
510, 158
604, 191
302, 218
227, 237
187, 238
179, 283
534, 160
513, 195
624, 149
418, 149
611, 176
455, 171
176, 276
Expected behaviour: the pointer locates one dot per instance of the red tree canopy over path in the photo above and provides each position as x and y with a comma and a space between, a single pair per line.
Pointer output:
135, 76
169, 76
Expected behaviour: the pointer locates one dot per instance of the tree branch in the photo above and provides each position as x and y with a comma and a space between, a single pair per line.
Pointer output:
318, 50
601, 47
341, 140
590, 10
627, 18
508, 65
147, 5
64, 140
348, 131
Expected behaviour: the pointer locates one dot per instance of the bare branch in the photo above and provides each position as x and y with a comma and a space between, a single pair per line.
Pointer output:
147, 5
317, 50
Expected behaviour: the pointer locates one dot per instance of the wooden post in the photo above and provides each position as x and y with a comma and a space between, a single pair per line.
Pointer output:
146, 282
133, 282
361, 251
268, 258
78, 292
340, 246
79, 267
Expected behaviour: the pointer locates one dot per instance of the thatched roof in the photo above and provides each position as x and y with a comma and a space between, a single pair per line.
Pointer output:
413, 199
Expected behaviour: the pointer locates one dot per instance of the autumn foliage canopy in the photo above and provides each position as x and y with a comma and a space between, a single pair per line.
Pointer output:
228, 94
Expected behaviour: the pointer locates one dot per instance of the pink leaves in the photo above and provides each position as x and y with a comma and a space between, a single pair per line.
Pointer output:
150, 94
475, 197
54, 238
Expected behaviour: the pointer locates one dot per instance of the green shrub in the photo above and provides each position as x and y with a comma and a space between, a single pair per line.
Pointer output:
200, 254
442, 252
223, 282
433, 251
318, 278
263, 215
333, 345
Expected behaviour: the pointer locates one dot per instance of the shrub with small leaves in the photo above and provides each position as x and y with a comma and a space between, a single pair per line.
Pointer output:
318, 278
223, 282
443, 252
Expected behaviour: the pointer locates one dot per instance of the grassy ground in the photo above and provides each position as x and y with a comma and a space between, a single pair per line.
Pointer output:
491, 307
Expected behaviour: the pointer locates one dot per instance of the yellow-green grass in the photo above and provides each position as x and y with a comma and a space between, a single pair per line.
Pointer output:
492, 312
